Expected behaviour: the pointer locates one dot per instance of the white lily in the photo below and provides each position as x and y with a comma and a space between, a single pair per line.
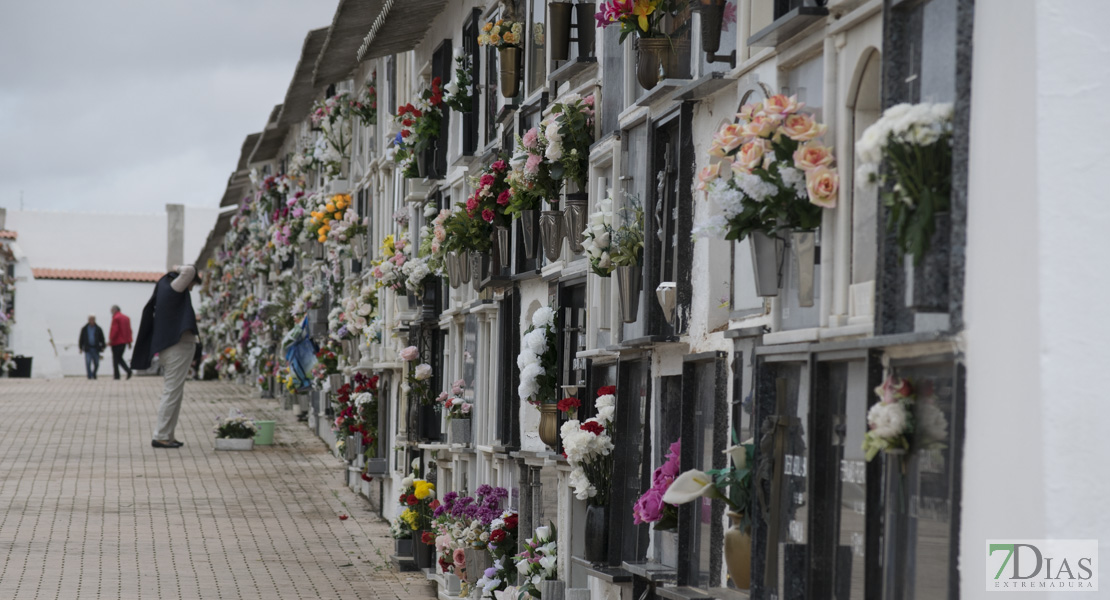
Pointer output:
690, 486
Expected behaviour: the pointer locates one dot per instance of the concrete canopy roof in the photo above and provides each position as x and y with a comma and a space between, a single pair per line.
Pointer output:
302, 91
339, 56
398, 29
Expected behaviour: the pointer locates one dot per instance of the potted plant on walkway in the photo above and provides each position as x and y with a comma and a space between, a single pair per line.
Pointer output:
235, 432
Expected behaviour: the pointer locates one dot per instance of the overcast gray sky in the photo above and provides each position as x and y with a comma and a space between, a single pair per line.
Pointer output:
124, 106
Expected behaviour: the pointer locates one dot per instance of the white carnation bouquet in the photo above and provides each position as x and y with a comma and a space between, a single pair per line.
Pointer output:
588, 447
537, 359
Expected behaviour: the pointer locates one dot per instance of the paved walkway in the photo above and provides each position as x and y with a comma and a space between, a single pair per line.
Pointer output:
89, 510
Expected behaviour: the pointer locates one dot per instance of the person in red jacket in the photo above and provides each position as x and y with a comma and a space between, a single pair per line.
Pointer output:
119, 336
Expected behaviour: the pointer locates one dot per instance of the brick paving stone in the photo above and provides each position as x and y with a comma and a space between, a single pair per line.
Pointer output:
89, 510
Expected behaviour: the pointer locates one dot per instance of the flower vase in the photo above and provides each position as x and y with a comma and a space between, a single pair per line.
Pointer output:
804, 245
504, 246
421, 552
403, 547
661, 58
558, 30
767, 258
549, 424
458, 431
574, 220
464, 266
551, 234
235, 444
552, 589
712, 13
585, 27
738, 553
479, 269
629, 280
477, 561
512, 63
358, 247
451, 263
529, 224
452, 585
596, 535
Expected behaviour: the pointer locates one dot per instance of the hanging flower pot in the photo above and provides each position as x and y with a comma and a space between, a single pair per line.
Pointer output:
804, 245
661, 58
551, 233
629, 280
479, 269
358, 247
451, 263
512, 63
585, 27
549, 424
464, 266
712, 13
738, 553
558, 30
504, 245
596, 534
529, 225
574, 220
767, 256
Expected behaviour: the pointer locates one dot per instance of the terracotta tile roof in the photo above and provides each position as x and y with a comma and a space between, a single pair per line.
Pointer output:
94, 275
7, 234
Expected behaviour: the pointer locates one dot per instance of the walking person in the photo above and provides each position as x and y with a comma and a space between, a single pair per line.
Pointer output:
169, 328
91, 342
119, 338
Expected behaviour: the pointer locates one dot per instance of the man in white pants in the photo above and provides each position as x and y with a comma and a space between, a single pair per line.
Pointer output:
169, 329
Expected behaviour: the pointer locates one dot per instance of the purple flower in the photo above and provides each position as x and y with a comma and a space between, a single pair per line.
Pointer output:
649, 508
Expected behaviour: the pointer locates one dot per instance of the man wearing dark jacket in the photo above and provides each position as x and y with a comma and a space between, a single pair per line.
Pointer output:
91, 342
169, 329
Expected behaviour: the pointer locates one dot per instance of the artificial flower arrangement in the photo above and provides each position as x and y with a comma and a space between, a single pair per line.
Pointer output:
332, 116
420, 126
326, 215
501, 33
491, 194
916, 141
387, 268
899, 419
538, 359
770, 171
642, 17
466, 231
399, 528
238, 427
608, 247
502, 545
418, 496
454, 405
327, 363
433, 237
531, 180
569, 131
650, 508
588, 447
538, 562
731, 485
365, 107
357, 412
462, 522
338, 329
458, 91
418, 377
273, 189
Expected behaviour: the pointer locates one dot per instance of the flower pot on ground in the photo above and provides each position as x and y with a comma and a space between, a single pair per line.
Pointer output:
596, 534
558, 30
574, 220
738, 552
235, 432
477, 561
549, 424
551, 234
234, 444
661, 58
529, 227
512, 64
458, 431
767, 261
629, 283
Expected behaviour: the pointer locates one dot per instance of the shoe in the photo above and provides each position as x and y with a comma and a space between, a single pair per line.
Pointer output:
161, 444
129, 374
178, 442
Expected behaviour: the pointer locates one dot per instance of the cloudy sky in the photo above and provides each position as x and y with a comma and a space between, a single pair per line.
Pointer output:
124, 106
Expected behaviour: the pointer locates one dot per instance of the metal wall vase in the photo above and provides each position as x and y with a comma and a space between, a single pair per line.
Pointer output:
585, 27
574, 221
767, 255
712, 13
551, 233
504, 245
558, 30
660, 58
464, 266
804, 244
479, 269
629, 280
512, 62
529, 224
451, 263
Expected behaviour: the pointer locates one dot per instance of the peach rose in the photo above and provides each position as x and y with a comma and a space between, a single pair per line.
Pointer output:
812, 155
707, 174
802, 127
749, 110
726, 140
760, 126
751, 154
822, 184
782, 105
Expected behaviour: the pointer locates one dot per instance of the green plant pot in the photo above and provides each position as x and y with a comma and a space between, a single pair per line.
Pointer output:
265, 434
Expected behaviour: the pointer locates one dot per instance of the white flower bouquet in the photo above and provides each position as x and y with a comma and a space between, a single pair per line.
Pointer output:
890, 421
588, 447
537, 359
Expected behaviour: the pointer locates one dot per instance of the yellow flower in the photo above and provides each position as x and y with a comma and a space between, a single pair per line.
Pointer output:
642, 9
330, 207
409, 516
423, 489
494, 38
510, 38
487, 27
